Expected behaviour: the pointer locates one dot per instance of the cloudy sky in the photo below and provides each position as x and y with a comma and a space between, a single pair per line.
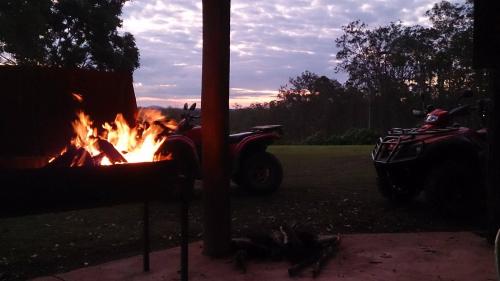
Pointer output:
271, 40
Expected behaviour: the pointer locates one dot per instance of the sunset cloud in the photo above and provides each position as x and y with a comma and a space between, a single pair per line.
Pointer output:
270, 42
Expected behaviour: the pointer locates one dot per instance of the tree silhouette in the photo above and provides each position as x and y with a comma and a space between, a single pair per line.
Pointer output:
66, 33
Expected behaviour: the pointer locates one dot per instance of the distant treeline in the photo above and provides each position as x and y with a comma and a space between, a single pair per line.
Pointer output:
390, 68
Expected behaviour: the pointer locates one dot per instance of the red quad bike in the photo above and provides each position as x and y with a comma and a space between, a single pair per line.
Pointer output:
253, 168
441, 158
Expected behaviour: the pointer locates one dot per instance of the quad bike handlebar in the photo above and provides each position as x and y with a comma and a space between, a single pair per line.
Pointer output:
186, 118
427, 108
432, 114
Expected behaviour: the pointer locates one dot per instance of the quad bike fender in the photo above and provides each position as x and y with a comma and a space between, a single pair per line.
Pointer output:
183, 148
458, 147
252, 143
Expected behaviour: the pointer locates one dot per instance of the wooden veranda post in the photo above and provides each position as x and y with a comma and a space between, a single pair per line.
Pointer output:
486, 56
215, 127
493, 180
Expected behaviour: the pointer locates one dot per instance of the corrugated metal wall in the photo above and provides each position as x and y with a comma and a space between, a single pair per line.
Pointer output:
37, 107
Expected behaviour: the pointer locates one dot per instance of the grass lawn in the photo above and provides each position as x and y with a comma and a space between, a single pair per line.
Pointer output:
329, 189
327, 167
314, 150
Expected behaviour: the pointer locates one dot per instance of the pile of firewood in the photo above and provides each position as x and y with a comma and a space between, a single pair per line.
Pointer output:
79, 157
302, 249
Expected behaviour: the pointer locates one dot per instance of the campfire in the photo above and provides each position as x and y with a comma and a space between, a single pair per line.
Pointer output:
116, 142
114, 155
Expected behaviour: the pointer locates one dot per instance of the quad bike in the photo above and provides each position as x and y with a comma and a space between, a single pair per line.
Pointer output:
253, 168
441, 158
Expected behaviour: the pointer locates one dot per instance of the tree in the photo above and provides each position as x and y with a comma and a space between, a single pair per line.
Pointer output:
376, 65
66, 33
453, 26
310, 103
393, 63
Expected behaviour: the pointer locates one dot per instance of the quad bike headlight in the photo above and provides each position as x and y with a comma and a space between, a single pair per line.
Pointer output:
408, 151
431, 118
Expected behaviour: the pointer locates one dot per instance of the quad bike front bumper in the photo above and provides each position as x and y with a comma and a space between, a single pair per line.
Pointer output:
398, 165
393, 149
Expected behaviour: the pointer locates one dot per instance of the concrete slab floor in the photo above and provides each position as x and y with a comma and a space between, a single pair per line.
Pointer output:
363, 257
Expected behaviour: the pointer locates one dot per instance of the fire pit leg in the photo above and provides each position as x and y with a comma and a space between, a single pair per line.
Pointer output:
185, 193
145, 255
184, 216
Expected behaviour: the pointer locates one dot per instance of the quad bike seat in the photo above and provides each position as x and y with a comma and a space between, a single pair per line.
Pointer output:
268, 128
235, 138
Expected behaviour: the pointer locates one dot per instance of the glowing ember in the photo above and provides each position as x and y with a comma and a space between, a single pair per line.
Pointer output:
117, 142
77, 97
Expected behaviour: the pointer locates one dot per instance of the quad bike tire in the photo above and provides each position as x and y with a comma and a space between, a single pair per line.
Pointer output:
452, 189
396, 195
260, 173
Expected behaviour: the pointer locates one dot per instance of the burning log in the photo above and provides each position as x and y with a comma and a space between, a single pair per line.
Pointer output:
98, 158
301, 248
109, 151
82, 158
65, 159
72, 157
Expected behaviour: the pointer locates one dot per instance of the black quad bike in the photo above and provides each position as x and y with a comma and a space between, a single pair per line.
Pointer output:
440, 157
253, 168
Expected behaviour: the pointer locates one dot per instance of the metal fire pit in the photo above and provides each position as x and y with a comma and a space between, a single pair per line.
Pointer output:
34, 191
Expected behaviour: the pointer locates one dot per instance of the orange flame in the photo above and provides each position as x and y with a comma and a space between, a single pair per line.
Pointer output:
137, 144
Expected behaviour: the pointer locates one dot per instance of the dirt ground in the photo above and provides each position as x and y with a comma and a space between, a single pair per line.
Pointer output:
328, 189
